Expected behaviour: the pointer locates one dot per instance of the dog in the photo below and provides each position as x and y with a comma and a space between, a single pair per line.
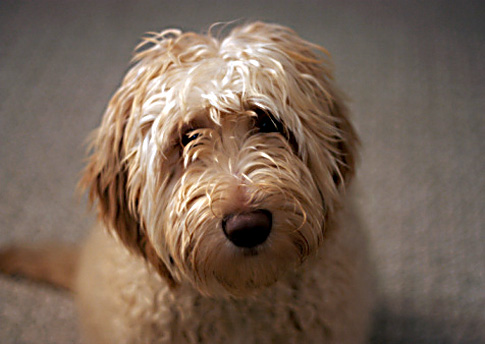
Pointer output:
221, 174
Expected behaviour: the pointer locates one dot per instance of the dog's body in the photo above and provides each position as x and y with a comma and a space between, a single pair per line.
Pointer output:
221, 172
122, 300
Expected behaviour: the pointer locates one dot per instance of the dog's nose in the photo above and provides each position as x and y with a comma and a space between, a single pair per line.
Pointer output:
248, 229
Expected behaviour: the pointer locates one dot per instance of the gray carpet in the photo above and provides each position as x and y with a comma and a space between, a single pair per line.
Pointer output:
415, 74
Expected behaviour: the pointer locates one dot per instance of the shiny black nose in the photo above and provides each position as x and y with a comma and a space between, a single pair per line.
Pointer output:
248, 229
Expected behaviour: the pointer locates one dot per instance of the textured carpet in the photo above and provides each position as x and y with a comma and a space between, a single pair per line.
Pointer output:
413, 70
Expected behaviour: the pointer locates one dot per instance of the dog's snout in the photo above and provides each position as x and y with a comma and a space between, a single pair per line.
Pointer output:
248, 229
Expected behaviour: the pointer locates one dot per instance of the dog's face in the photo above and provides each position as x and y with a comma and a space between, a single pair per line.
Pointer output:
220, 161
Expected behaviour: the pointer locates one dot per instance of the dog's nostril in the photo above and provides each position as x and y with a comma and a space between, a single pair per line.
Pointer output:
248, 229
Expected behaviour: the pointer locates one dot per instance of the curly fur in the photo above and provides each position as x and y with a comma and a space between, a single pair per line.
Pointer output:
164, 197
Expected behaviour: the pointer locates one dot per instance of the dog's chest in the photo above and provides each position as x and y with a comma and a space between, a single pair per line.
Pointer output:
275, 318
280, 315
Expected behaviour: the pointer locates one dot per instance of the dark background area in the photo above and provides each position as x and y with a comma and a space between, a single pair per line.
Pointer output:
413, 70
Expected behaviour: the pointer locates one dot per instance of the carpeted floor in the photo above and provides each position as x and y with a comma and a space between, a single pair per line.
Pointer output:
413, 69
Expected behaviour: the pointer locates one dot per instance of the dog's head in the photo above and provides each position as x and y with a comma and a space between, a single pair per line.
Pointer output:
221, 160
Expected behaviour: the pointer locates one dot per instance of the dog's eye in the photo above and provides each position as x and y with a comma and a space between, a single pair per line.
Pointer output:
188, 137
267, 123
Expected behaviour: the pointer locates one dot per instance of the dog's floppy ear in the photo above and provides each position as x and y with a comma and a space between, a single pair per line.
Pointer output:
106, 176
346, 142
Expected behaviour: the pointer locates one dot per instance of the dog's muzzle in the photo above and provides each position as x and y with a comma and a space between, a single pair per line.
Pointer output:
249, 229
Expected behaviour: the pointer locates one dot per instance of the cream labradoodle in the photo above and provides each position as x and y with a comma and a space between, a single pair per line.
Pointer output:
221, 174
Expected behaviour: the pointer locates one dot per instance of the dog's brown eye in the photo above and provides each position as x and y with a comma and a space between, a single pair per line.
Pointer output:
267, 123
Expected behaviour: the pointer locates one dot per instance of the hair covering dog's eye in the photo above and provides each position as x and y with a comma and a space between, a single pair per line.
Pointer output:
267, 123
188, 137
